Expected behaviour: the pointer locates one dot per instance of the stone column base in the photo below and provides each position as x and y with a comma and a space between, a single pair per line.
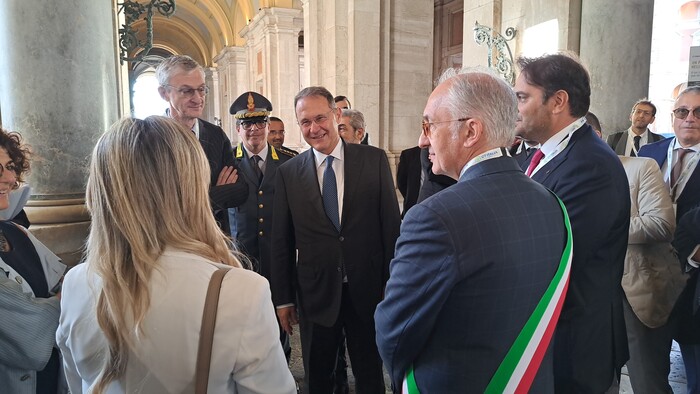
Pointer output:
62, 225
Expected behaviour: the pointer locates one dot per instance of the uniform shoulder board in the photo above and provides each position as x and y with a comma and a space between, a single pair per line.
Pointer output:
287, 151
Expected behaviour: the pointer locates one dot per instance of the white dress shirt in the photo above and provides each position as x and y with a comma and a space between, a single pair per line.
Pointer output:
558, 142
629, 149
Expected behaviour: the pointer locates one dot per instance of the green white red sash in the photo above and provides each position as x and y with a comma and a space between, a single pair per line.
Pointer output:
520, 365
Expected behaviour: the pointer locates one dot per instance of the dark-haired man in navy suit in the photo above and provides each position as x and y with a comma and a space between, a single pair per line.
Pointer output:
590, 343
678, 158
460, 291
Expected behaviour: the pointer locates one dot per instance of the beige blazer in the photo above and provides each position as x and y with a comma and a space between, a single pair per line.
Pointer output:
652, 278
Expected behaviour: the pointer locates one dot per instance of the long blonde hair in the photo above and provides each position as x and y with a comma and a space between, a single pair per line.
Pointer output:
148, 189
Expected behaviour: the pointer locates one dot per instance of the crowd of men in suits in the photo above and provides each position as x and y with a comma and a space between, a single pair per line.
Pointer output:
532, 257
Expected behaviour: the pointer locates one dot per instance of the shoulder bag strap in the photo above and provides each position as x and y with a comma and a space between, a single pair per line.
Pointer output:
206, 334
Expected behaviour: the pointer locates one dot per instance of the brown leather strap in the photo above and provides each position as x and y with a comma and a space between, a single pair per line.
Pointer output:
206, 334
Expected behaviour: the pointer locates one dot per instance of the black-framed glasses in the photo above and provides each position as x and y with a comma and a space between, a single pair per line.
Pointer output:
427, 125
682, 113
259, 124
319, 119
187, 91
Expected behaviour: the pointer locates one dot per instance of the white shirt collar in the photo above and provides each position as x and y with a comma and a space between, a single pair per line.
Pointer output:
262, 153
338, 153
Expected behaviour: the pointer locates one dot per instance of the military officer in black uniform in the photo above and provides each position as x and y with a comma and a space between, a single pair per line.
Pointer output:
257, 163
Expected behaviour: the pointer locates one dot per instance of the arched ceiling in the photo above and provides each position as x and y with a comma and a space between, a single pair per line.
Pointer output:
202, 28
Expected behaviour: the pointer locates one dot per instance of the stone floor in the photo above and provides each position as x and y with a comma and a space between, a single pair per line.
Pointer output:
676, 377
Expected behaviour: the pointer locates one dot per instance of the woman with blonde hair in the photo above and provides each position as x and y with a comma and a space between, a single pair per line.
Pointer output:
131, 315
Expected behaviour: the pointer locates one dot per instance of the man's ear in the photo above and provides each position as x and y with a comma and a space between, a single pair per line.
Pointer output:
474, 130
163, 93
338, 111
360, 133
560, 99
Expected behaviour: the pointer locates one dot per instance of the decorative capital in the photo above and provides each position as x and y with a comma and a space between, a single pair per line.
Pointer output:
503, 56
128, 42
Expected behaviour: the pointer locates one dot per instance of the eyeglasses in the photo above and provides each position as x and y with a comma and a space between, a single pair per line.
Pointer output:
682, 113
306, 123
642, 112
260, 124
187, 91
427, 125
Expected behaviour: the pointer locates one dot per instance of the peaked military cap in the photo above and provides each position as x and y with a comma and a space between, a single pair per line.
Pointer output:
250, 106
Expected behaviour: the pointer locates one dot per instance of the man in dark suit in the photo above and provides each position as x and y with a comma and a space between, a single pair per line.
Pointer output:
408, 177
678, 159
590, 343
336, 206
459, 292
181, 84
628, 142
522, 152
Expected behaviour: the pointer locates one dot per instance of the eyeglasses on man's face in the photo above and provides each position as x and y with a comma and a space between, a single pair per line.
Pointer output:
319, 120
187, 91
682, 113
428, 125
258, 124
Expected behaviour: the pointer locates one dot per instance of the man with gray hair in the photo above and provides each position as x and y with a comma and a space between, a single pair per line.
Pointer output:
352, 126
181, 84
460, 293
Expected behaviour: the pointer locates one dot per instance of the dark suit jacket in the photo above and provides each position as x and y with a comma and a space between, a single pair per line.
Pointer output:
408, 176
460, 291
433, 183
365, 243
690, 197
251, 222
591, 334
217, 148
618, 141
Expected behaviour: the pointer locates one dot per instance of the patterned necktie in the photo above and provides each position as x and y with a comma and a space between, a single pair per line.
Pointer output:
636, 146
330, 194
536, 158
256, 166
678, 167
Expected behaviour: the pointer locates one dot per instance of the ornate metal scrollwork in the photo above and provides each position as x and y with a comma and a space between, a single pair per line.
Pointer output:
504, 57
128, 42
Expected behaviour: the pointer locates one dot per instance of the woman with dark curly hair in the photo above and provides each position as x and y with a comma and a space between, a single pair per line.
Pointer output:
29, 279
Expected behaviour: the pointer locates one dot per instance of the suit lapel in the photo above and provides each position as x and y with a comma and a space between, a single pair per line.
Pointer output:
352, 167
308, 183
245, 166
622, 143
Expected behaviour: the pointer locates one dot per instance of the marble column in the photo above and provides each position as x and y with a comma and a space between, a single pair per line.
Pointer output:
616, 47
272, 46
232, 73
59, 90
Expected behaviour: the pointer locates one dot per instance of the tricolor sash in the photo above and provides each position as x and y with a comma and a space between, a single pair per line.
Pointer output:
520, 365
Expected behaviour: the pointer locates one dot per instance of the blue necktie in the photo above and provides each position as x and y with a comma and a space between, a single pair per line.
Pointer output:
330, 193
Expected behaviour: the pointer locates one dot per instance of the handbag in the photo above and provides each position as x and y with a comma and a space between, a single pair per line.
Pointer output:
206, 334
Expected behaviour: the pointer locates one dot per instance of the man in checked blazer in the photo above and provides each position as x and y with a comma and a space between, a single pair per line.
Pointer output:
460, 290
343, 254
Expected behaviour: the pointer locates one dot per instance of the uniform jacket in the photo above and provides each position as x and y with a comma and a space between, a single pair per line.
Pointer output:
251, 222
652, 278
246, 353
460, 291
365, 243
